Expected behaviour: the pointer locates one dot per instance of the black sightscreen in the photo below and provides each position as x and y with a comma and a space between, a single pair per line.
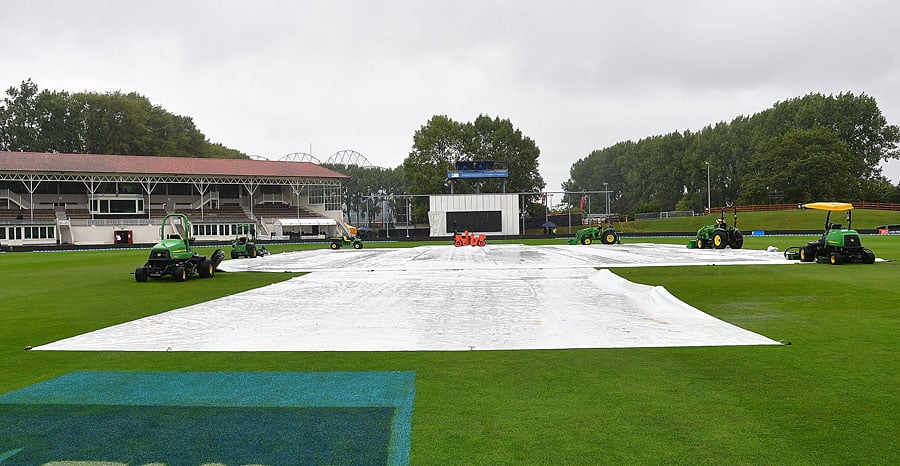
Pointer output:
483, 221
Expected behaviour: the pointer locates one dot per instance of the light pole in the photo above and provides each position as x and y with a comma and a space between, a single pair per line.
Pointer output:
708, 193
546, 208
606, 190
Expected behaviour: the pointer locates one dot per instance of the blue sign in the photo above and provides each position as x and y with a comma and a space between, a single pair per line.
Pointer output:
475, 174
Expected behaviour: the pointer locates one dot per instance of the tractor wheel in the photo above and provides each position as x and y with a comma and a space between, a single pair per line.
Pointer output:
608, 238
252, 253
587, 241
357, 245
180, 274
868, 257
738, 241
140, 274
481, 243
835, 258
335, 245
458, 243
719, 240
807, 254
701, 243
234, 254
206, 269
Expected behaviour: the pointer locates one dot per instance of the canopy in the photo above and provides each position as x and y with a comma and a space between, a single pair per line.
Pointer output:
829, 206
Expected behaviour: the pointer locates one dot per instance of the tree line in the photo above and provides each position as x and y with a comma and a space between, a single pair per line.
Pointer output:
93, 123
811, 148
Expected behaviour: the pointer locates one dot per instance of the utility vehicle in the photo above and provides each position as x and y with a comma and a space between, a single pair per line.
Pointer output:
338, 242
347, 238
173, 255
837, 244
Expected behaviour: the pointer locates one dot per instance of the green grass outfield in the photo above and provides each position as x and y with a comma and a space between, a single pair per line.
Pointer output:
828, 398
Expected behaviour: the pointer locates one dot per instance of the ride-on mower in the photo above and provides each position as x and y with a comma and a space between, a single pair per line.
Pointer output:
837, 245
243, 246
719, 235
172, 255
586, 236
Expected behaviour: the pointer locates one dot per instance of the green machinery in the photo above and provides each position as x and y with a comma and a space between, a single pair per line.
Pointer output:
347, 238
719, 235
243, 246
338, 242
173, 255
837, 245
586, 236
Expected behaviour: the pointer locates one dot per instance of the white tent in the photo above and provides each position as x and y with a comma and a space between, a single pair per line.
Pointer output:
284, 226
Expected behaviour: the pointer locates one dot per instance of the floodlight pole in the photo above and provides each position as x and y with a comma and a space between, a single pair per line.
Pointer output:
546, 207
606, 190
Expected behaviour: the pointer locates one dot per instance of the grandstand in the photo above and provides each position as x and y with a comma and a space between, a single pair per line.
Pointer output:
88, 199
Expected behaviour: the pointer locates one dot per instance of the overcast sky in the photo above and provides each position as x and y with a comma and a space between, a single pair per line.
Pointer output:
271, 78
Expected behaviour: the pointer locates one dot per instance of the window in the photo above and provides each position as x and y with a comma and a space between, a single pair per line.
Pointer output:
329, 196
117, 206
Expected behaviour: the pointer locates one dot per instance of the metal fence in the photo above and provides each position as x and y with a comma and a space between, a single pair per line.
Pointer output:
657, 215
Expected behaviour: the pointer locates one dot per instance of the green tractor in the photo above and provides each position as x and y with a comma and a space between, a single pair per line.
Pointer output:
719, 235
172, 255
837, 245
586, 236
243, 246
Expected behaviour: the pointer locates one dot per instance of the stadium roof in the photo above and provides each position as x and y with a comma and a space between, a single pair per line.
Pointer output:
70, 164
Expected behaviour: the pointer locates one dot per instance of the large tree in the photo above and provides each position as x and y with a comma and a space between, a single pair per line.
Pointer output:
802, 166
437, 146
442, 142
726, 162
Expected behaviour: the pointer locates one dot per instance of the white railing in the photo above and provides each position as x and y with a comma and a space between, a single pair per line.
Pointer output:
16, 198
206, 199
106, 222
273, 198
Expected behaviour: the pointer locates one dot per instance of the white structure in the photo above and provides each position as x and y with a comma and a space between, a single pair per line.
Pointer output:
84, 199
493, 214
